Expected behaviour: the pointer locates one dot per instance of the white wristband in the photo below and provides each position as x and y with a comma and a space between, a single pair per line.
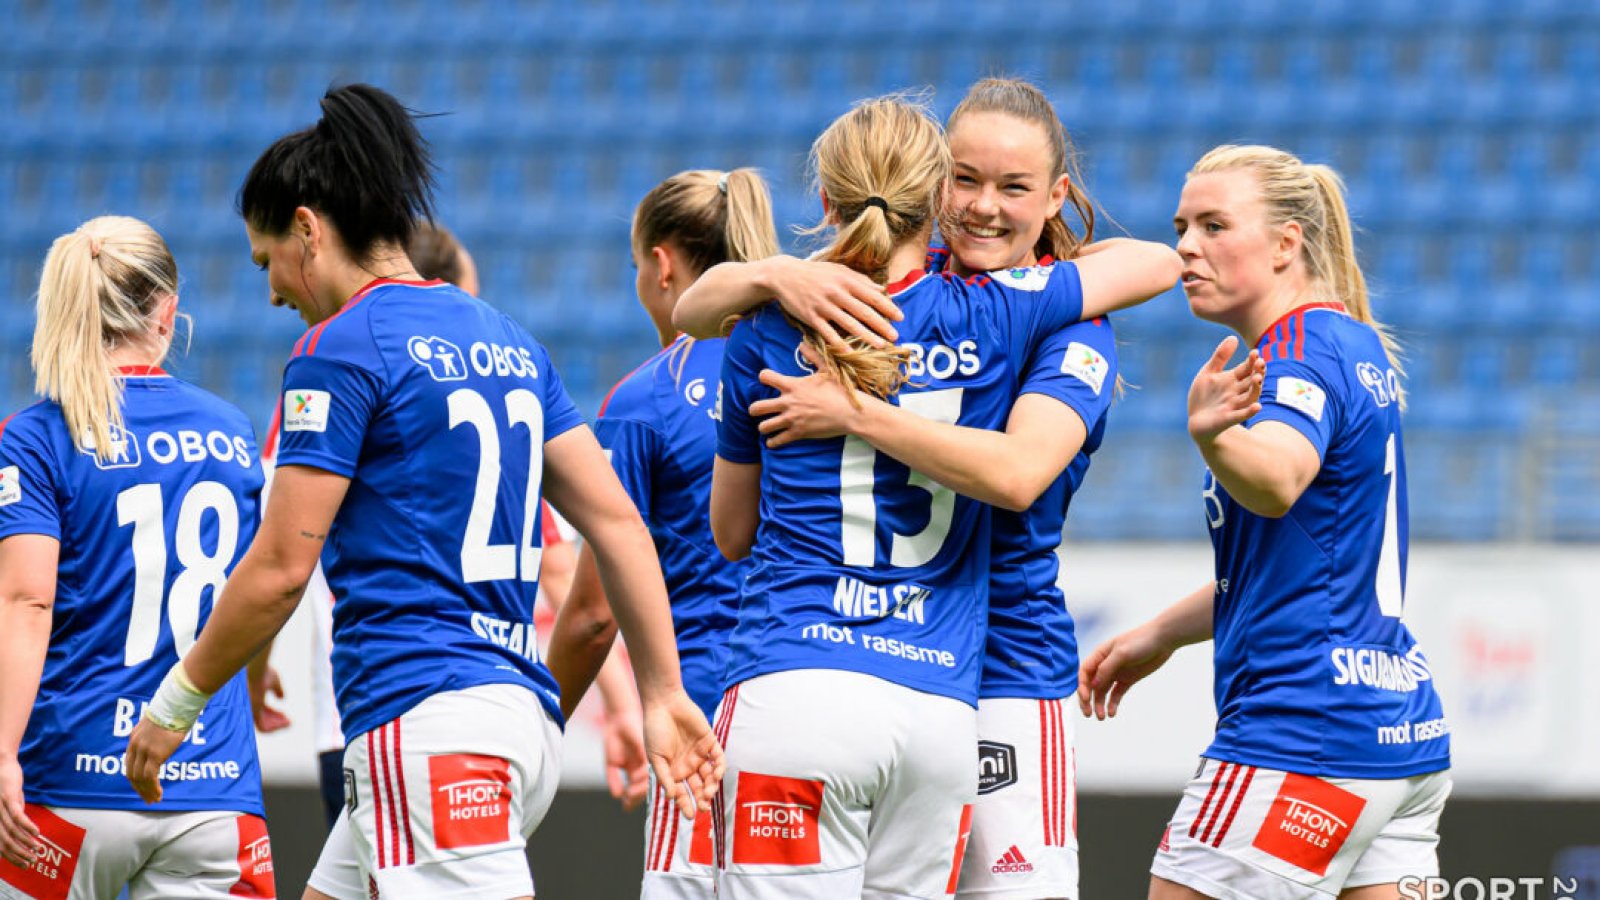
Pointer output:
177, 702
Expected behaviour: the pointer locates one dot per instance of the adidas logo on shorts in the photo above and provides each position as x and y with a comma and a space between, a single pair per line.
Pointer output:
1012, 863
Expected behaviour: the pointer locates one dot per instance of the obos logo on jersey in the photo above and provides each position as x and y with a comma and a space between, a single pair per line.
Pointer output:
124, 449
50, 875
1085, 363
471, 799
695, 391
1382, 384
306, 410
1297, 393
1309, 822
10, 485
776, 823
442, 359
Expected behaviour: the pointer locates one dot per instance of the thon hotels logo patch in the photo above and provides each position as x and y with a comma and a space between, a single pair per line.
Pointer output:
1309, 822
255, 859
776, 822
471, 799
49, 876
997, 766
306, 410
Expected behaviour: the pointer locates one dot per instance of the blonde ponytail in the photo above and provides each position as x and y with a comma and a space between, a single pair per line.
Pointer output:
882, 167
1313, 197
747, 231
99, 289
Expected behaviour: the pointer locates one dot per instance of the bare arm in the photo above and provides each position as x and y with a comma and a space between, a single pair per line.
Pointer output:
583, 634
833, 300
1265, 468
1121, 272
1009, 469
1118, 664
27, 602
259, 597
735, 507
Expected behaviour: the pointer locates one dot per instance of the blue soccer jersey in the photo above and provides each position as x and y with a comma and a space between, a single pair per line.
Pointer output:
859, 563
1315, 671
437, 408
1032, 649
660, 427
147, 537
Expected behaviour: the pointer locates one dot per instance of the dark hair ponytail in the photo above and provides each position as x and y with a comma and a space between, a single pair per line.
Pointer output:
363, 165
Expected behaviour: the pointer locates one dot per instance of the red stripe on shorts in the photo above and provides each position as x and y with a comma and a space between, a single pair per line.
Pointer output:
1044, 769
672, 838
721, 730
1216, 779
1216, 812
388, 788
653, 861
377, 798
1238, 801
400, 775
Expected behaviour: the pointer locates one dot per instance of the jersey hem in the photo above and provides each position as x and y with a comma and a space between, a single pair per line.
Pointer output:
1020, 692
970, 698
354, 726
1375, 772
134, 804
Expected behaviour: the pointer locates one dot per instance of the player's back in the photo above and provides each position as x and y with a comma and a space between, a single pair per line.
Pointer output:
1313, 659
148, 536
860, 563
659, 426
437, 408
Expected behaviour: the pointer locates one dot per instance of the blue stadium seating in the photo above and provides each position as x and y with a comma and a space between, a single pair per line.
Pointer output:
1467, 131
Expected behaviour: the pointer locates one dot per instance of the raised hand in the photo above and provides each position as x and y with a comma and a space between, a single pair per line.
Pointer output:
836, 302
1219, 397
815, 406
685, 756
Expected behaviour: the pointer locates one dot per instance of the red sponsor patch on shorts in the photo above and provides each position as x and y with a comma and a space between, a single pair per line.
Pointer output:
255, 860
776, 821
1309, 822
701, 850
50, 875
471, 800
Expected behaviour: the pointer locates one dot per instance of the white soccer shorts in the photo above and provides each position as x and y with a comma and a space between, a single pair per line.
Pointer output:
92, 853
1024, 841
678, 853
842, 785
440, 802
1243, 833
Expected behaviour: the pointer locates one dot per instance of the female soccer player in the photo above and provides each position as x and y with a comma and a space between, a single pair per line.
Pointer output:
1012, 177
1330, 764
125, 493
856, 659
659, 424
420, 429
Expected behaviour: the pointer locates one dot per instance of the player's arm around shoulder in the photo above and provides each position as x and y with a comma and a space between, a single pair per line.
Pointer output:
1117, 273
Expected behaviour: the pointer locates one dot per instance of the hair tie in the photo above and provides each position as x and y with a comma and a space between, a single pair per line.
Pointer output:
880, 203
94, 247
722, 184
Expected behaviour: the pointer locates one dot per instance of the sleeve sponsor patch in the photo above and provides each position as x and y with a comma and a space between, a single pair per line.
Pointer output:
10, 485
1085, 363
306, 410
1032, 278
1297, 393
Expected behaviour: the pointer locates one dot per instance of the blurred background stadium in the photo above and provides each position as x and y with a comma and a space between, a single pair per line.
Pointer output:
1468, 132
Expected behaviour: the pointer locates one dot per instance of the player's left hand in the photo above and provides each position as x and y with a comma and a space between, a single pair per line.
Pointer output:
815, 406
149, 747
684, 754
1219, 397
268, 719
626, 765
